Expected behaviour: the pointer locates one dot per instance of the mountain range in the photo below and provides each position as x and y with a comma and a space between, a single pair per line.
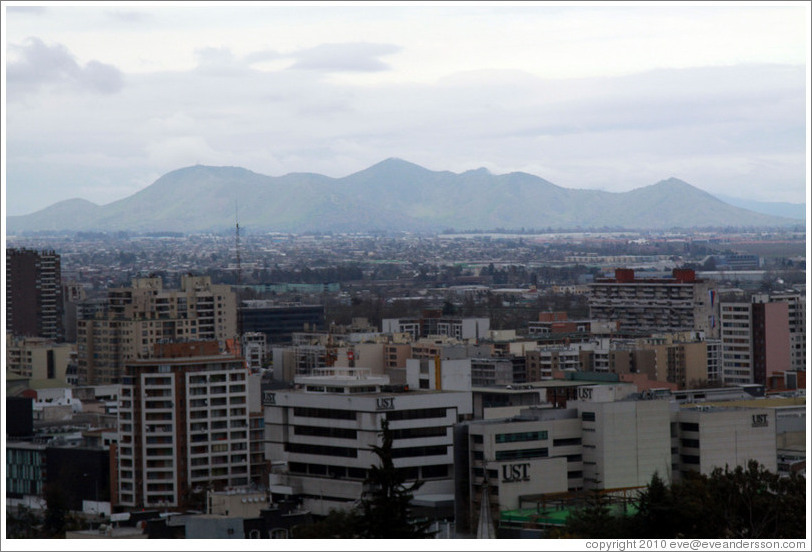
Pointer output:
393, 195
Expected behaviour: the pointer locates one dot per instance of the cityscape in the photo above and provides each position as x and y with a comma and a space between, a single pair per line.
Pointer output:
372, 349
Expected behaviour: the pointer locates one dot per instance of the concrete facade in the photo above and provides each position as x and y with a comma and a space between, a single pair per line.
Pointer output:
34, 294
144, 314
680, 303
183, 424
318, 437
625, 441
717, 437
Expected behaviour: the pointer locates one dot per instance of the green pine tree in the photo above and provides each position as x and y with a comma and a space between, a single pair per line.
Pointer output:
385, 507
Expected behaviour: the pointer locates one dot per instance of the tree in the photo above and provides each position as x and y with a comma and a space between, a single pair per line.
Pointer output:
336, 525
595, 520
746, 502
385, 509
56, 513
655, 508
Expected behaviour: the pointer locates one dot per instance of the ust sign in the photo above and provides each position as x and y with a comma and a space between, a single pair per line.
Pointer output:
759, 420
385, 403
515, 472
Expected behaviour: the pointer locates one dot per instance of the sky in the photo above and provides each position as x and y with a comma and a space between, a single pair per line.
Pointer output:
104, 98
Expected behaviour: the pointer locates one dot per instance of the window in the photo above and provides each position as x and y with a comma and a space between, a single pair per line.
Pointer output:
322, 450
686, 426
520, 454
435, 471
419, 432
332, 432
439, 450
328, 413
521, 437
417, 414
566, 442
588, 416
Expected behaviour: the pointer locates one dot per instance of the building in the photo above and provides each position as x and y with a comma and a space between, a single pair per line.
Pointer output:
458, 374
710, 437
73, 294
254, 350
34, 294
279, 321
536, 452
558, 323
144, 314
319, 437
26, 471
757, 341
432, 323
625, 439
543, 361
39, 358
183, 423
796, 313
81, 472
679, 303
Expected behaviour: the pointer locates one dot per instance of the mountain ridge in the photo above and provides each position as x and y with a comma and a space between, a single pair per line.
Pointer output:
391, 195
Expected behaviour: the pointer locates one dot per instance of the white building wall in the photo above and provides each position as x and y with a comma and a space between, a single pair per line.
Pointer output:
626, 442
367, 410
729, 437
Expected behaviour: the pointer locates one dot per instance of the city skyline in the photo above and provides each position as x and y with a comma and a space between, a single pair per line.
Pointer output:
104, 99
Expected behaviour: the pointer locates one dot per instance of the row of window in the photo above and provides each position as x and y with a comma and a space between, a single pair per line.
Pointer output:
521, 437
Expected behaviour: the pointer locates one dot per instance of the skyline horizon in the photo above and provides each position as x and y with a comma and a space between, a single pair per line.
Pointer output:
721, 197
103, 99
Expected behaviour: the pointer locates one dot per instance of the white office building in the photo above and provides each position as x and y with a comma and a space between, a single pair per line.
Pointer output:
318, 437
712, 437
625, 439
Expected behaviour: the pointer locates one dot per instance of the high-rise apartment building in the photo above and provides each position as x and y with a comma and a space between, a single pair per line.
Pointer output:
796, 312
139, 316
756, 340
34, 294
679, 303
183, 425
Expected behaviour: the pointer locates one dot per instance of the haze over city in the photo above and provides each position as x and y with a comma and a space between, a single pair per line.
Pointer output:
104, 99
371, 270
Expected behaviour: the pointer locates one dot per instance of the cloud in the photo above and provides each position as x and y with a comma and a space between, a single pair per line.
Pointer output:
38, 64
21, 10
259, 57
358, 56
130, 17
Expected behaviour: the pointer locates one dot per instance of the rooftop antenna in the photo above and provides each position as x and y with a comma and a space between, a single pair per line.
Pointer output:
237, 241
239, 267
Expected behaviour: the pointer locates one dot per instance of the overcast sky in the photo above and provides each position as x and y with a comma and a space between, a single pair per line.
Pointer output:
102, 100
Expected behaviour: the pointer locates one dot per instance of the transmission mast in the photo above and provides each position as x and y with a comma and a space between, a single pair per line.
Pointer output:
239, 270
237, 243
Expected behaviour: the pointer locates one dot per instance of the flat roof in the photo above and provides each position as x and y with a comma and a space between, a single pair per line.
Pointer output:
556, 516
751, 403
544, 385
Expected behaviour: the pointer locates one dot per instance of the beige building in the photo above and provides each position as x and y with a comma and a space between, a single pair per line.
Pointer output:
38, 358
144, 314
